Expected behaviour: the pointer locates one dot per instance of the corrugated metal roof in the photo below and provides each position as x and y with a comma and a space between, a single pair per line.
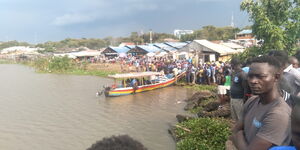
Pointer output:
149, 48
233, 45
177, 45
221, 49
164, 46
120, 49
245, 32
130, 46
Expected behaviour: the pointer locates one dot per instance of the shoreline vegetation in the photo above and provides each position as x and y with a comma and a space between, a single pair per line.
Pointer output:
64, 65
208, 126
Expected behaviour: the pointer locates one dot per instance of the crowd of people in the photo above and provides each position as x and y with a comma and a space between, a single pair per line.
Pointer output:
210, 73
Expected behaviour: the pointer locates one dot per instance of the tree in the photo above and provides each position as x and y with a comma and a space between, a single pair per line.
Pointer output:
212, 33
275, 22
13, 43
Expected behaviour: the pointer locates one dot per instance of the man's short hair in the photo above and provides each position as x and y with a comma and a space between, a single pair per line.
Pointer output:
297, 55
281, 56
121, 142
271, 60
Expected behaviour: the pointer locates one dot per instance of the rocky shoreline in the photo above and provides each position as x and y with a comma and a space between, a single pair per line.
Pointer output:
204, 106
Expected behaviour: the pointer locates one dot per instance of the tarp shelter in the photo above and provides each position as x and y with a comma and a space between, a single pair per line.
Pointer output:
112, 52
142, 50
165, 47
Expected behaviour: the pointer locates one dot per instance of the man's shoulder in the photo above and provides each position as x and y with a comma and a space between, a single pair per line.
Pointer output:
281, 108
250, 102
251, 99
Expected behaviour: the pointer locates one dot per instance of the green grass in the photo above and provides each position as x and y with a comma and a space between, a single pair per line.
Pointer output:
203, 134
4, 61
60, 66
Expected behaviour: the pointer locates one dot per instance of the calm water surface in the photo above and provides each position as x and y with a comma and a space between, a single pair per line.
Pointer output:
62, 112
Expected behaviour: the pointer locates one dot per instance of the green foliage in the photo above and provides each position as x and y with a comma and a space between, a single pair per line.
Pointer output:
55, 64
91, 72
137, 38
12, 43
66, 66
251, 52
60, 64
205, 134
276, 22
212, 33
69, 43
5, 61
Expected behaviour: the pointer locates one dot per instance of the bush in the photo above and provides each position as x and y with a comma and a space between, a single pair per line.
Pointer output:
60, 64
205, 134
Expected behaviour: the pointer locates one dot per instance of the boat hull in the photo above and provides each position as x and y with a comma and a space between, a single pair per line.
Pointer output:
143, 88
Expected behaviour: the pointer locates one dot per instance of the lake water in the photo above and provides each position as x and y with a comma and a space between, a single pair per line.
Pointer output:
62, 112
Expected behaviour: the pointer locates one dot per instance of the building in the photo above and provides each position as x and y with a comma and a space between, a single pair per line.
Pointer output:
179, 33
245, 38
206, 51
244, 34
111, 52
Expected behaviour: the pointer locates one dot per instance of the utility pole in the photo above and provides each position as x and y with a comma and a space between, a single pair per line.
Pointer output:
232, 23
150, 36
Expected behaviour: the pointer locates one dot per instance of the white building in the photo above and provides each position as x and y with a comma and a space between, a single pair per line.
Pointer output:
179, 33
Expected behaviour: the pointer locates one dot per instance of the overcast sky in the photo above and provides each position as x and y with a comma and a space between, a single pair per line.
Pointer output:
37, 21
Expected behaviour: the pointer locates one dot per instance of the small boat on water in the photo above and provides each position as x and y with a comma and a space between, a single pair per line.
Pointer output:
131, 83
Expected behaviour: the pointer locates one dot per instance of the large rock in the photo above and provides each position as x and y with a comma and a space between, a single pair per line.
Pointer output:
197, 99
200, 95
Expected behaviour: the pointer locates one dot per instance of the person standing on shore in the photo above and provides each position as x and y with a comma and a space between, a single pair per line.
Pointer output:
238, 89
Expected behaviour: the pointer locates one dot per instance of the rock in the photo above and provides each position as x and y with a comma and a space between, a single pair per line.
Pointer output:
200, 95
171, 131
222, 111
190, 105
182, 118
211, 106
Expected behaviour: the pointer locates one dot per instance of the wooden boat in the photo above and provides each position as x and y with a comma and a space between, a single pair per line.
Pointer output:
160, 81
